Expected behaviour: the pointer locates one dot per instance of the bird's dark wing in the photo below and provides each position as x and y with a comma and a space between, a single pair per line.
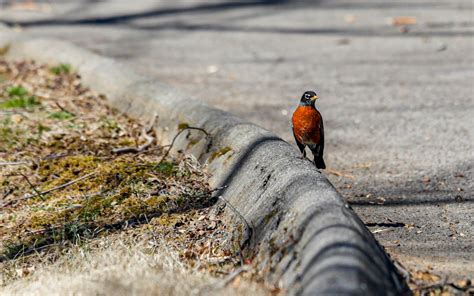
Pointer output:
318, 149
321, 142
300, 145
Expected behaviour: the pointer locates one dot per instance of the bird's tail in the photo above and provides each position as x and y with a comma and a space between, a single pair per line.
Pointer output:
319, 162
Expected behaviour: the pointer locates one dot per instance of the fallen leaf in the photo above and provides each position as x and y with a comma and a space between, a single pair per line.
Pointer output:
463, 283
426, 276
339, 173
350, 18
403, 21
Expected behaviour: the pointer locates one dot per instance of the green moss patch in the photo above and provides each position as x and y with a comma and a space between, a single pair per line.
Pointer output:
62, 184
220, 153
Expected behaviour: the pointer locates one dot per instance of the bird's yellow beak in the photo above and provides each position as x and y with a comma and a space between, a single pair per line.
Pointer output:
314, 98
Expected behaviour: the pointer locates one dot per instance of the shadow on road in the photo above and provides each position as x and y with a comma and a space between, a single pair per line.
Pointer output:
359, 31
116, 19
437, 191
226, 26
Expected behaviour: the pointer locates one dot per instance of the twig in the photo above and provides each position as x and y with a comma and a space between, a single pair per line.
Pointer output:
8, 192
32, 186
143, 147
5, 195
228, 279
13, 163
64, 109
139, 149
174, 139
339, 174
248, 227
401, 269
68, 183
56, 156
64, 185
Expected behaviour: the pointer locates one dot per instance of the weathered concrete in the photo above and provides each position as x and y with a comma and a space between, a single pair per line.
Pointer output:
304, 233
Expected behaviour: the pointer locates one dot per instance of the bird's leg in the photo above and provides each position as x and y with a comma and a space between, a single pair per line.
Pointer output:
303, 154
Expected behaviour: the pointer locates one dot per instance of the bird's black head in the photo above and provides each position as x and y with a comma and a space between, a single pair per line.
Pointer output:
308, 98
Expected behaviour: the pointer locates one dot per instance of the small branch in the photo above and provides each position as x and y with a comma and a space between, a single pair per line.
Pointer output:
249, 229
64, 109
402, 270
5, 195
228, 279
13, 163
174, 139
8, 192
139, 149
33, 187
56, 156
68, 183
143, 147
64, 185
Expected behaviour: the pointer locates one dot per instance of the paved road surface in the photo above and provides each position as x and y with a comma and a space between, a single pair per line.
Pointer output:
397, 102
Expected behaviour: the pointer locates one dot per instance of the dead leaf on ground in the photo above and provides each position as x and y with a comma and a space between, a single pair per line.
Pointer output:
339, 173
403, 21
350, 18
463, 284
425, 276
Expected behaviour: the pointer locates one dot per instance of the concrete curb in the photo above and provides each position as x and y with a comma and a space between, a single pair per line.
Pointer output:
305, 236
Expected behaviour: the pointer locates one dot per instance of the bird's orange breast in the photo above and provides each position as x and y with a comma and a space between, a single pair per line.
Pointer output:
307, 125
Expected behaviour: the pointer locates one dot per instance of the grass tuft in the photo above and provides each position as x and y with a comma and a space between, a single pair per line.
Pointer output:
61, 69
61, 115
18, 91
18, 98
20, 102
166, 168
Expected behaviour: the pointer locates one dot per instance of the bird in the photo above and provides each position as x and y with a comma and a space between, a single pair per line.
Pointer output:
308, 128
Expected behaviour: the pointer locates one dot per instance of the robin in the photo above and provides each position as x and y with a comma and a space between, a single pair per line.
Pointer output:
308, 128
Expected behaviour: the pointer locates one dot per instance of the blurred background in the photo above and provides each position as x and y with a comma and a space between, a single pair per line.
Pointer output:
395, 81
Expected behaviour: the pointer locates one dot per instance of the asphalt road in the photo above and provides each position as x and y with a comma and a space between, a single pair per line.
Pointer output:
397, 101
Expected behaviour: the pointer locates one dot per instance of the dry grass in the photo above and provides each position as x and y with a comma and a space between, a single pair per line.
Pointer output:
77, 217
122, 265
